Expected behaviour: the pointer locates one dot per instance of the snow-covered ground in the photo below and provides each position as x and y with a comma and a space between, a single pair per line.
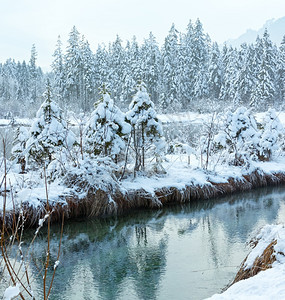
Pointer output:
16, 122
30, 187
188, 117
180, 174
183, 117
268, 284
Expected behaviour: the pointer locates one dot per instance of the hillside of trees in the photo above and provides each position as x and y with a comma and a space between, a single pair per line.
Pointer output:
188, 72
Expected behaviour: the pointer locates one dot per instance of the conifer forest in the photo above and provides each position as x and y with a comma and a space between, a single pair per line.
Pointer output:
187, 72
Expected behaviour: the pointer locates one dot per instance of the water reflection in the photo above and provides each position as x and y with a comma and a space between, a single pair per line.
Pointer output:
179, 252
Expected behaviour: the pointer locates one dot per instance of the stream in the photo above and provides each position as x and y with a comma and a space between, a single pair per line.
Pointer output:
189, 251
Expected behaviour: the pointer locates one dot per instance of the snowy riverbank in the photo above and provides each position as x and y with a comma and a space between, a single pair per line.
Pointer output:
269, 283
181, 183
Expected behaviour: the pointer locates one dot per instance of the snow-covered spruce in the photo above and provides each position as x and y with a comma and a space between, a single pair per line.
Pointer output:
169, 70
49, 133
264, 89
239, 136
105, 133
146, 128
19, 146
59, 84
11, 292
272, 134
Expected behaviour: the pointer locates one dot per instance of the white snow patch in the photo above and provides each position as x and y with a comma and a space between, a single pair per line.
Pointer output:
56, 264
267, 284
11, 292
267, 234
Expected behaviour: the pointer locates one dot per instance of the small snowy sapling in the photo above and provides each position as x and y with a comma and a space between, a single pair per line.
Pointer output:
105, 133
49, 132
146, 128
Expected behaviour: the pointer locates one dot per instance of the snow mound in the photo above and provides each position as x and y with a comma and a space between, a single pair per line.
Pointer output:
268, 234
11, 292
268, 284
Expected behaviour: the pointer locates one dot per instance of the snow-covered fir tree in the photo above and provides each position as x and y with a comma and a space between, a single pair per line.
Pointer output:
23, 78
116, 69
135, 60
215, 72
244, 81
230, 71
264, 90
88, 74
146, 128
272, 135
101, 69
73, 67
8, 84
200, 61
151, 66
281, 72
49, 133
33, 75
59, 84
132, 71
239, 136
170, 78
185, 66
19, 147
106, 131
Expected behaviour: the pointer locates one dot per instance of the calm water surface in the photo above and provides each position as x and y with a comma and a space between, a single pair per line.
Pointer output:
179, 252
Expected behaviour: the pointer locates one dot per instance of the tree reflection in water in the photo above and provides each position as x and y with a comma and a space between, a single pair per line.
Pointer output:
141, 256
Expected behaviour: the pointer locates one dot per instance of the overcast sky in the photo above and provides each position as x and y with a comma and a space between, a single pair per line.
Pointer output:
24, 22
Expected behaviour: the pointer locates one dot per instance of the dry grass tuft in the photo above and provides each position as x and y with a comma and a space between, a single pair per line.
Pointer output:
261, 263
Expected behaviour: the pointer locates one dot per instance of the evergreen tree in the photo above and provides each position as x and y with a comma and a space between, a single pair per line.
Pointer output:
239, 136
49, 133
146, 128
264, 90
73, 67
230, 71
101, 69
59, 75
245, 77
272, 135
151, 66
19, 147
281, 72
106, 130
33, 75
200, 61
170, 78
8, 82
23, 84
88, 76
215, 72
117, 69
132, 71
186, 68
